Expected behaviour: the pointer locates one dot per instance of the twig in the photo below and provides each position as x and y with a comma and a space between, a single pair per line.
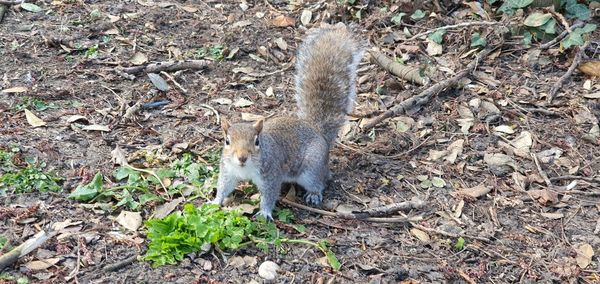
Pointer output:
9, 2
560, 36
120, 264
572, 177
183, 90
415, 203
408, 73
350, 216
168, 66
466, 24
214, 111
426, 95
563, 78
540, 171
34, 242
447, 234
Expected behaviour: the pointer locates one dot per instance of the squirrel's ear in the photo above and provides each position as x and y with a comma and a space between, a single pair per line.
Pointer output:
225, 125
258, 125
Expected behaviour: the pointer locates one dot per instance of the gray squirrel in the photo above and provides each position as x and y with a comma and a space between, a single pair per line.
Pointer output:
296, 149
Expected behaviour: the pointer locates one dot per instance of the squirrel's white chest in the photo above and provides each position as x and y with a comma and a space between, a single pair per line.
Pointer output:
250, 171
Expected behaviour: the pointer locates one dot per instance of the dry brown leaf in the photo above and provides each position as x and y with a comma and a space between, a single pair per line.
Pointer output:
96, 127
33, 120
15, 90
591, 68
553, 216
474, 192
42, 264
283, 21
118, 156
165, 209
422, 236
237, 262
544, 196
585, 252
138, 58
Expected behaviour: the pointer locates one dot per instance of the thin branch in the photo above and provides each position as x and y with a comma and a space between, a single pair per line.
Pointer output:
563, 78
167, 66
466, 24
560, 36
408, 73
426, 95
9, 2
12, 256
350, 216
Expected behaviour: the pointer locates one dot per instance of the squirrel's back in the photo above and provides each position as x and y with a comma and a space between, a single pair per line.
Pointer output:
325, 78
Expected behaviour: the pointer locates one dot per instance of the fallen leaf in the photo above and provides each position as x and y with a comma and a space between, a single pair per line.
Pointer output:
42, 264
544, 196
454, 150
422, 236
585, 252
591, 68
305, 17
237, 262
504, 129
283, 21
499, 164
33, 120
158, 82
130, 220
474, 192
433, 48
595, 95
240, 24
189, 9
242, 102
281, 43
223, 101
244, 208
522, 144
138, 58
165, 209
553, 216
31, 7
15, 90
74, 118
96, 127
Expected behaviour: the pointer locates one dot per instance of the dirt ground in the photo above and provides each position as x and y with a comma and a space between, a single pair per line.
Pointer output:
530, 219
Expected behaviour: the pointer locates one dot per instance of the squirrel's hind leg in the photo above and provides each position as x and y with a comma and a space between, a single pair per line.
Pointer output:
313, 182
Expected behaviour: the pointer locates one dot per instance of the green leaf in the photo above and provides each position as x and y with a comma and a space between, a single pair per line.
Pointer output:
438, 182
333, 261
426, 184
549, 27
588, 28
537, 19
477, 40
437, 36
574, 38
460, 244
527, 38
398, 18
509, 6
576, 10
89, 191
417, 15
31, 7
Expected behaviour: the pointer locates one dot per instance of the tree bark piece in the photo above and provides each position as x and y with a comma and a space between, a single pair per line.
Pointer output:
408, 73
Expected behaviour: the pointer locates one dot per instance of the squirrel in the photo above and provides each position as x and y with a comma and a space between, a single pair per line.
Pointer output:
295, 150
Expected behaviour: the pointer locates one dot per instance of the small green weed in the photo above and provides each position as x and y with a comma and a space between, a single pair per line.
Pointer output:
35, 103
134, 186
215, 52
460, 244
25, 180
181, 233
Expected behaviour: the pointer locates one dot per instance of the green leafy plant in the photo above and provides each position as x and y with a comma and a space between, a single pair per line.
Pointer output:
417, 15
92, 52
33, 102
460, 244
192, 229
28, 179
215, 52
437, 36
133, 186
397, 19
477, 40
576, 37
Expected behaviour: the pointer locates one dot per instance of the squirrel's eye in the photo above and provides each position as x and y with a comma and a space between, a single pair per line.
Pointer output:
256, 141
227, 142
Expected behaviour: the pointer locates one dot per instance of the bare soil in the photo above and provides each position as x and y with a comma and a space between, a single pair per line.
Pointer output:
525, 229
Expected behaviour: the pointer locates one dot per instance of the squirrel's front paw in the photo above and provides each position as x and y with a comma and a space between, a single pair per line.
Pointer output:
264, 214
312, 198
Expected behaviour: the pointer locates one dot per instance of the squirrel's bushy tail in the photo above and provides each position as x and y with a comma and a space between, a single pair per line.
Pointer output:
325, 78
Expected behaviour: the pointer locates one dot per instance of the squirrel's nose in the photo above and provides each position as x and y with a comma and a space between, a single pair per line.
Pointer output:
242, 159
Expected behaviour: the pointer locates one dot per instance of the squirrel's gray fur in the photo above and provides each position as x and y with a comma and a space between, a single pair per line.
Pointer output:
296, 150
